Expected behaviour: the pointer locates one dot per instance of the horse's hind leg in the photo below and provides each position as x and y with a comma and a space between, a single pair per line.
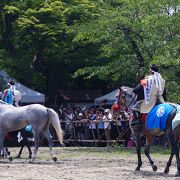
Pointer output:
175, 149
36, 145
48, 136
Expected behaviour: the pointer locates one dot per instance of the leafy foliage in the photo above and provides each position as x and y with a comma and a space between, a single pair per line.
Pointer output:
88, 40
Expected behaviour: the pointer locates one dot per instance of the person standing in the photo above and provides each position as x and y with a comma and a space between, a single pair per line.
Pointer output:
16, 94
12, 86
107, 118
8, 95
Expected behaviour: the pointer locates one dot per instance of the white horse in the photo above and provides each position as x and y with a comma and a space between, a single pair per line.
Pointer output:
40, 117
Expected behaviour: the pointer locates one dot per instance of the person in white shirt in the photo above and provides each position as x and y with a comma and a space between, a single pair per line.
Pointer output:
107, 118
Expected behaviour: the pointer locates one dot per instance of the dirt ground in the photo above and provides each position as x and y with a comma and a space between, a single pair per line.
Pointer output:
83, 164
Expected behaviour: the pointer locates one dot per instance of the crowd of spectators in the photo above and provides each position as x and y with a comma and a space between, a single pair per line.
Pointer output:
94, 126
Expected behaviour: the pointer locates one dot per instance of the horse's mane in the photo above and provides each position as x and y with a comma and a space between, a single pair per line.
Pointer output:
125, 88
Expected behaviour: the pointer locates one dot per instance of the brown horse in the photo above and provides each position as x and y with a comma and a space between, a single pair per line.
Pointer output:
128, 98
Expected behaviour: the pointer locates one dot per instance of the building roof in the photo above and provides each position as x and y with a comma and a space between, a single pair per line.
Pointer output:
28, 95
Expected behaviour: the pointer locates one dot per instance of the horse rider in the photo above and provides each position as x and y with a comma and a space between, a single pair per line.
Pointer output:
150, 91
8, 94
12, 83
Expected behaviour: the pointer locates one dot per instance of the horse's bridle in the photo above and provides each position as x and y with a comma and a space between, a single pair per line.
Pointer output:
123, 102
123, 95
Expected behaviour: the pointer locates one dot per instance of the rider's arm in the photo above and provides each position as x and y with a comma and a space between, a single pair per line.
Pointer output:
139, 91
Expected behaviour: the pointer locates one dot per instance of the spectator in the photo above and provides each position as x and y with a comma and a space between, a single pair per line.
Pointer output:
99, 119
92, 124
80, 127
117, 119
69, 117
107, 125
86, 125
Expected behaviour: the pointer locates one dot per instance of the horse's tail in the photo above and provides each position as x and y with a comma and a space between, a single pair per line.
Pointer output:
54, 120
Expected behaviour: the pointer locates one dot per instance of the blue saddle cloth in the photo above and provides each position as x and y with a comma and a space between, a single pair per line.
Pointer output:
158, 116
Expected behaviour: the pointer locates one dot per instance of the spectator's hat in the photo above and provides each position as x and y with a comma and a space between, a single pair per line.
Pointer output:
80, 114
107, 110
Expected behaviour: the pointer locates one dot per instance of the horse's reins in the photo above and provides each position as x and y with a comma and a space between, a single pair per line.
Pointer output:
124, 100
132, 99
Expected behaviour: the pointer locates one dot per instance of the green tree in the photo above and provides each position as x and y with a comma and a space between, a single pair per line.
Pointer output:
132, 35
89, 40
42, 34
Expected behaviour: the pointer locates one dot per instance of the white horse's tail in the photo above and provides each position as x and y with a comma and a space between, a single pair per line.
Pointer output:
54, 120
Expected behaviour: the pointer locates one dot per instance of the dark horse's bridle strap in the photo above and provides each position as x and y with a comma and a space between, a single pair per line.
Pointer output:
123, 98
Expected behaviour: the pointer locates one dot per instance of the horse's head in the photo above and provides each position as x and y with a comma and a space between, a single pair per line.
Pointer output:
126, 97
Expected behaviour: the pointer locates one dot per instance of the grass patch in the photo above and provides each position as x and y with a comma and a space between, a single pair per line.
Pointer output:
104, 152
93, 152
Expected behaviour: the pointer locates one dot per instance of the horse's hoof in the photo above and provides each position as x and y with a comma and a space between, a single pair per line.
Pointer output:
137, 169
32, 160
177, 174
154, 168
166, 171
54, 159
63, 145
10, 158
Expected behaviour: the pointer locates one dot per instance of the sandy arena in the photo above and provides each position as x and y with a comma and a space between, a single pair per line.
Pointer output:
83, 164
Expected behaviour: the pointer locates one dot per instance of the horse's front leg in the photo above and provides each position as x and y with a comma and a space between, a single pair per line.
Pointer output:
146, 152
147, 148
137, 140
